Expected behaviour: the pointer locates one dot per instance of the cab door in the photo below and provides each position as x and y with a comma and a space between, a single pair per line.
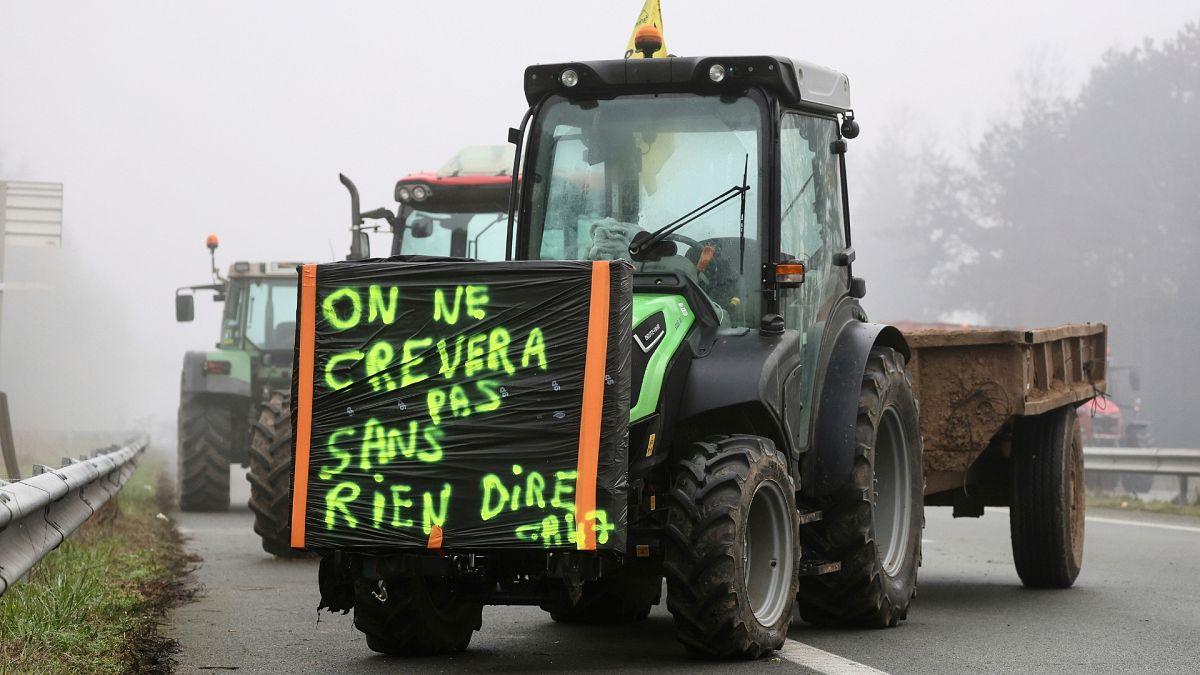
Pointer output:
812, 230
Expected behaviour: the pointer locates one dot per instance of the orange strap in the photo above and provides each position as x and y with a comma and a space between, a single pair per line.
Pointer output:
435, 537
304, 400
593, 408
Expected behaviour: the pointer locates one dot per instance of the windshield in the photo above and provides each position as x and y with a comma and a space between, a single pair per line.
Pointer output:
460, 235
265, 310
607, 170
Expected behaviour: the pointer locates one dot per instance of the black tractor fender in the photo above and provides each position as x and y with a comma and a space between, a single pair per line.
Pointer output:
828, 464
195, 380
738, 387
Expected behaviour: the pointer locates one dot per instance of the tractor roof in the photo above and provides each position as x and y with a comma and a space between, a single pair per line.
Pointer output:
794, 82
475, 180
243, 269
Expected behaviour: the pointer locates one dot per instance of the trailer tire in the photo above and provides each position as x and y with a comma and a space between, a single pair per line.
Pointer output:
1047, 513
874, 533
622, 596
206, 436
270, 476
413, 616
733, 549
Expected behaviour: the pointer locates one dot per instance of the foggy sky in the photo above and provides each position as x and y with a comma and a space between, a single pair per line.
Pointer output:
167, 121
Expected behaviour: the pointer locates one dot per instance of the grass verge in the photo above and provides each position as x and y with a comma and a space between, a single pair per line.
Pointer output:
1131, 503
95, 604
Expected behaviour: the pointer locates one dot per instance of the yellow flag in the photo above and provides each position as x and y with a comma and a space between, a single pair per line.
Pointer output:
651, 14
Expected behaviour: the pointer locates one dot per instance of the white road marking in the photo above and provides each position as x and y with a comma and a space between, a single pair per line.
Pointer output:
821, 660
1120, 521
1160, 526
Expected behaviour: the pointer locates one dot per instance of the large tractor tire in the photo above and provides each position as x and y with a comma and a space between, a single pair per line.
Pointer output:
733, 549
1046, 517
874, 528
621, 596
271, 474
414, 616
206, 437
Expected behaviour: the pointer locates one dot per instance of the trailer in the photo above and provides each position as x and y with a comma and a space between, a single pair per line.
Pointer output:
999, 428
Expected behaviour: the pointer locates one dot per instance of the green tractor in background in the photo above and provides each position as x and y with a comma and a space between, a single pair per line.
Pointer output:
221, 389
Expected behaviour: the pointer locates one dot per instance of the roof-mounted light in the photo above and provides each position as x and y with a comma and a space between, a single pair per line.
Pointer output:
403, 194
420, 193
569, 77
716, 72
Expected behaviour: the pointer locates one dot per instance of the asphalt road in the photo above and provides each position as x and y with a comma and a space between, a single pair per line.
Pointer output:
1135, 607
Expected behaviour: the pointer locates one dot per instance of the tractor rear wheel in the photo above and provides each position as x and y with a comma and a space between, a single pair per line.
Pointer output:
414, 616
206, 436
874, 527
1046, 516
733, 551
270, 475
621, 596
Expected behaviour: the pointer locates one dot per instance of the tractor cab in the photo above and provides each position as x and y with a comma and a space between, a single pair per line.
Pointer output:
721, 179
260, 308
724, 172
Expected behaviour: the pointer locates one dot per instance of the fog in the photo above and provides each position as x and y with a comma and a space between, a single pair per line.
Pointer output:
168, 121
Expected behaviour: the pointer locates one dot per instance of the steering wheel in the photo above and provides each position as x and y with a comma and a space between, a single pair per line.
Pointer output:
691, 243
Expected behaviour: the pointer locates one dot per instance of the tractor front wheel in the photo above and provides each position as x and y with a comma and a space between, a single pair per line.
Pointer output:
733, 550
413, 616
624, 595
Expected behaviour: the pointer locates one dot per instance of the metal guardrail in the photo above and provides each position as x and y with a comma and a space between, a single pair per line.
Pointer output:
38, 513
1181, 462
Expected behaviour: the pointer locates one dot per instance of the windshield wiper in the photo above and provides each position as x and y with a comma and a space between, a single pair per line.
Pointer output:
641, 243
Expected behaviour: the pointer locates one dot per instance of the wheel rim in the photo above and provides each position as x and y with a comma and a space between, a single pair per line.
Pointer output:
893, 485
767, 549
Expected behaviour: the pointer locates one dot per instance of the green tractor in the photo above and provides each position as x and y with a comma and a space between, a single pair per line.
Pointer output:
221, 389
766, 411
458, 211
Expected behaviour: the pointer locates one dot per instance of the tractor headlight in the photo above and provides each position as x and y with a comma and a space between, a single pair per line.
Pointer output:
403, 194
569, 77
716, 72
420, 193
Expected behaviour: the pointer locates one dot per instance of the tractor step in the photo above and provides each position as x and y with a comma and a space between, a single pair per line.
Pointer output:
812, 568
807, 517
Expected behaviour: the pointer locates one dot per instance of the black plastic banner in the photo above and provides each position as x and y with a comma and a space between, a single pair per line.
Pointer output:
462, 405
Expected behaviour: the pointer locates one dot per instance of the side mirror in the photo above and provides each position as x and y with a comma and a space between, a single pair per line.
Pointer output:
421, 228
360, 246
185, 307
1135, 380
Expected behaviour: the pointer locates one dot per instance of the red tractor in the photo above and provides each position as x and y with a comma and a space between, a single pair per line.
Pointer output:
1105, 422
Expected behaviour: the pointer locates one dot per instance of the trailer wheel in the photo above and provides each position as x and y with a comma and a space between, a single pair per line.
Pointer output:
1046, 517
874, 527
622, 596
270, 476
414, 616
733, 550
205, 443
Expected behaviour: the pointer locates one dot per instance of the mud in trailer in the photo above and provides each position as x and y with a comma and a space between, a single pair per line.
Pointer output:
999, 426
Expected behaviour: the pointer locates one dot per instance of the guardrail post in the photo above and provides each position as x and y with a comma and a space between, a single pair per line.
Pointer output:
1183, 488
7, 447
